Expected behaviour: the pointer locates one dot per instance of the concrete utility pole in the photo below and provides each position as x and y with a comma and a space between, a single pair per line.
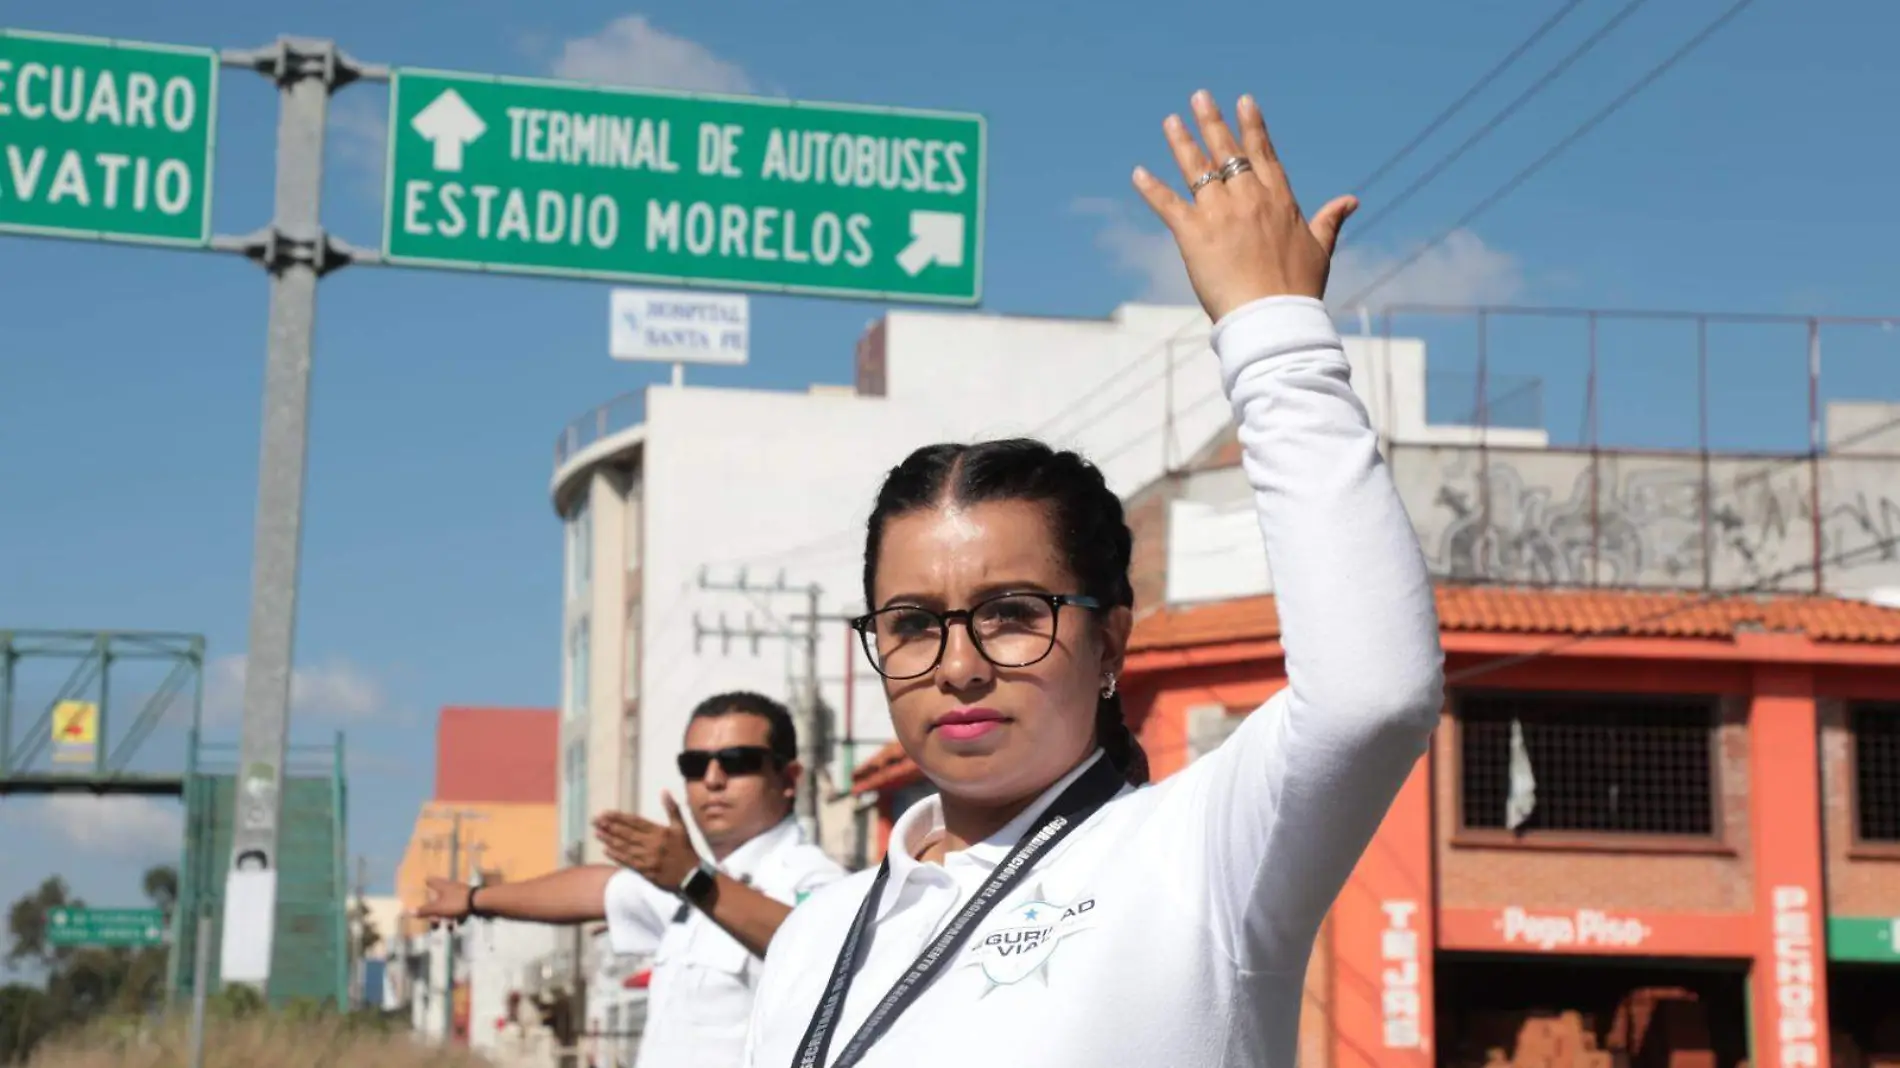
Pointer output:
809, 704
453, 844
296, 252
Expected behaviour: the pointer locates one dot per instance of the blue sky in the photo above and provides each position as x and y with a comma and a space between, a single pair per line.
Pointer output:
1755, 176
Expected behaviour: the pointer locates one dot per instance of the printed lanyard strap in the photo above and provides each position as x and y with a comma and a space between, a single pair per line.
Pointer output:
1093, 789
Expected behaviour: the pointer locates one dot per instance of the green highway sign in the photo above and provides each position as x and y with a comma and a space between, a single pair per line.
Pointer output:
1873, 939
106, 139
555, 178
105, 927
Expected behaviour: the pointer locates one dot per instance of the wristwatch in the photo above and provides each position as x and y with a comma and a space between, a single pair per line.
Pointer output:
698, 884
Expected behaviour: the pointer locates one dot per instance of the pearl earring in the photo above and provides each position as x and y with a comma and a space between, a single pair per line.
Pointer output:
1108, 687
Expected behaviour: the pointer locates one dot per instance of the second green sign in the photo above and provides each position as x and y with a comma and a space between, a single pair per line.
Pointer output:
551, 178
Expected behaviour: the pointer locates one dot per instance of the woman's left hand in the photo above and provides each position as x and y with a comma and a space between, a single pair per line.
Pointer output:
1241, 234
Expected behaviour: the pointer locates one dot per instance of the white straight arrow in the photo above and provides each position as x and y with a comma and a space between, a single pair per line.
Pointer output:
448, 124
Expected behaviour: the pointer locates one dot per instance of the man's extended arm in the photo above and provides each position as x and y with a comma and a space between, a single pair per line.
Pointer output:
571, 895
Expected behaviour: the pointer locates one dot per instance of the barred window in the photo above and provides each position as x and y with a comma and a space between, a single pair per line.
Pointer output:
1588, 763
1877, 772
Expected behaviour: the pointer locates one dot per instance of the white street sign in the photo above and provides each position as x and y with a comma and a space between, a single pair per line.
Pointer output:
670, 326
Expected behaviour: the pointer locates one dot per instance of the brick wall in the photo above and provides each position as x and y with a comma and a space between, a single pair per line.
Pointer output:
1496, 876
1856, 885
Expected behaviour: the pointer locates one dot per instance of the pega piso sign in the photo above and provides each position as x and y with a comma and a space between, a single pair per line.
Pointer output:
1579, 929
1597, 931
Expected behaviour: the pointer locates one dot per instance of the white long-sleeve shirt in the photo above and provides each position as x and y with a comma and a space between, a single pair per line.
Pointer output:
1174, 926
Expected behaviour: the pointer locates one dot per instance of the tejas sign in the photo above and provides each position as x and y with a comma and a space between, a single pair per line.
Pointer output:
675, 327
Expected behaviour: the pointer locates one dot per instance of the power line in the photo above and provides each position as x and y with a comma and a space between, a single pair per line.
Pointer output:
1559, 149
1485, 205
1483, 82
1491, 125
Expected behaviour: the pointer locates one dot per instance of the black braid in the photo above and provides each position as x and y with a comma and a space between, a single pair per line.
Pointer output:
1119, 743
1086, 516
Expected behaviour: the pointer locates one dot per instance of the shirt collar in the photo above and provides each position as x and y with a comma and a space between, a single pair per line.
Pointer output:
925, 818
743, 862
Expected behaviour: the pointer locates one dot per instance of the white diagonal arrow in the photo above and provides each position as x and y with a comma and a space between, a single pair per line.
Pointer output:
449, 124
935, 237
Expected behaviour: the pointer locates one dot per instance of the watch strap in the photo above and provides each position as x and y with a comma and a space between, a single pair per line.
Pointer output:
699, 882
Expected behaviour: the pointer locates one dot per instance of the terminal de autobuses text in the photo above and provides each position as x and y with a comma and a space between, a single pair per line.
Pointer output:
484, 211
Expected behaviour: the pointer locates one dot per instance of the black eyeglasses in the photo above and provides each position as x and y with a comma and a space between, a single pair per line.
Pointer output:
1011, 630
733, 760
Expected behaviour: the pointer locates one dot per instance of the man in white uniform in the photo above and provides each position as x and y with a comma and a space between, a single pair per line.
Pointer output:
706, 923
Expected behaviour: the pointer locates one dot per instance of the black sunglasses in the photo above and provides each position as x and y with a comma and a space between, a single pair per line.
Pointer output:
733, 760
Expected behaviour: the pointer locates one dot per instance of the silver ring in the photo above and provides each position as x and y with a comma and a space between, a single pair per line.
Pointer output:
1210, 176
1233, 166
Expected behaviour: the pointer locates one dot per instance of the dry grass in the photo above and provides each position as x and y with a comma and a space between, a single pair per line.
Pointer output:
254, 1042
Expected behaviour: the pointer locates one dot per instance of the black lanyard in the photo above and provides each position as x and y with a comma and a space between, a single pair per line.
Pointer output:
1093, 789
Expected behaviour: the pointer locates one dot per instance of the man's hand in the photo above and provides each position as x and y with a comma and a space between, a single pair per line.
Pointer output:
448, 902
663, 855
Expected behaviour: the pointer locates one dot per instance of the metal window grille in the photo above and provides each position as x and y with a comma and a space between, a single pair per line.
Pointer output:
1600, 764
1877, 772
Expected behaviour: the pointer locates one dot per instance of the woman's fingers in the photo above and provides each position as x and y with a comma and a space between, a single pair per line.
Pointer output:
1187, 152
1259, 143
1328, 220
1165, 202
1221, 145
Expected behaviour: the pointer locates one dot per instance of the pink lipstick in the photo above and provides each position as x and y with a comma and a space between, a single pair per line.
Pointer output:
965, 724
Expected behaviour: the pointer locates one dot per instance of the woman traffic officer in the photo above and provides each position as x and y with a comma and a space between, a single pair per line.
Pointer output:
1046, 907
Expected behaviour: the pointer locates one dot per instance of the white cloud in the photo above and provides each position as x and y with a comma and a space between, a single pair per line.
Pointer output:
336, 691
1460, 270
1146, 251
630, 50
139, 828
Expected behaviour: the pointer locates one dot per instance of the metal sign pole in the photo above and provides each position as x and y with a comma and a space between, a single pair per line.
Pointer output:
296, 252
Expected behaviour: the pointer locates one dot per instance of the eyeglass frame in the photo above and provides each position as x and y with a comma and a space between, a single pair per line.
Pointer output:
1056, 602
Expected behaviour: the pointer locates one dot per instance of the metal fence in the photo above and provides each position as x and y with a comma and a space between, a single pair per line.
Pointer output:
621, 413
1685, 449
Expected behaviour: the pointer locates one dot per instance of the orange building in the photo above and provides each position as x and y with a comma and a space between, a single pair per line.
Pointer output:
1656, 825
494, 808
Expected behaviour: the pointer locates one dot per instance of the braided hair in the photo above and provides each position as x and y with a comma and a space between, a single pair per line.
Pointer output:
1092, 538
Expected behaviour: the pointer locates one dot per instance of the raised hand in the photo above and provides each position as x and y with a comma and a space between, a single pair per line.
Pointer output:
448, 901
1240, 232
663, 855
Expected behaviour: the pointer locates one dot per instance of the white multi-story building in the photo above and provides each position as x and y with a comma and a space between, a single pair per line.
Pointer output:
671, 496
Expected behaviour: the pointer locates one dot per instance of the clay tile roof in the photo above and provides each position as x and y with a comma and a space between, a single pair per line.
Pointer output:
1498, 609
889, 766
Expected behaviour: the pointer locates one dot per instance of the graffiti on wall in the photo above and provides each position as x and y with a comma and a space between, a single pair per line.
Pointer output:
1529, 517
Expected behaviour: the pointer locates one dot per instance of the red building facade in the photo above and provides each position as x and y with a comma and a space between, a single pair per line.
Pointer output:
1658, 825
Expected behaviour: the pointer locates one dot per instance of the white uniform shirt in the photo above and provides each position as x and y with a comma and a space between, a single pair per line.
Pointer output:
1174, 926
700, 996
